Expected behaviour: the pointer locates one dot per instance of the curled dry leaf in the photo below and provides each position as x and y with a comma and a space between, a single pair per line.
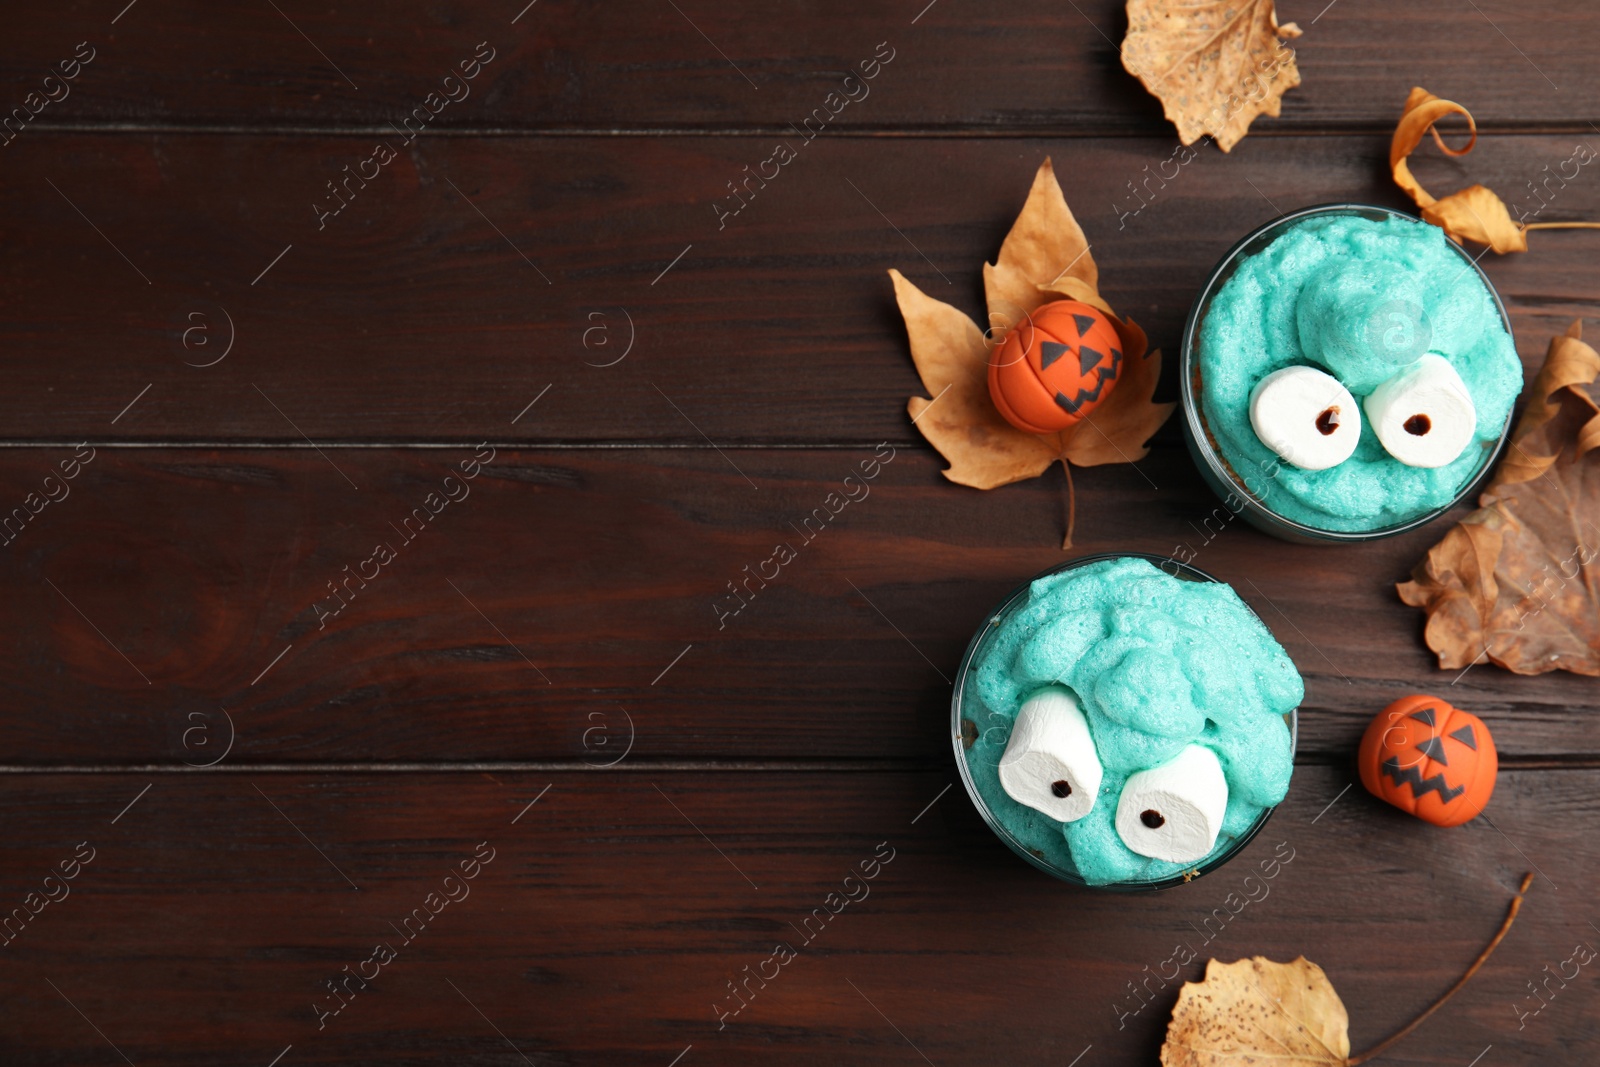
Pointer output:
1258, 1012
1214, 64
1472, 214
1045, 257
1517, 580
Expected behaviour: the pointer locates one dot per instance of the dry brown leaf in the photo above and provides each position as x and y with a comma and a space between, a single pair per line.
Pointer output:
1044, 257
984, 449
1561, 387
1045, 245
1477, 214
1417, 120
1119, 428
1214, 64
1517, 581
1255, 1011
1474, 213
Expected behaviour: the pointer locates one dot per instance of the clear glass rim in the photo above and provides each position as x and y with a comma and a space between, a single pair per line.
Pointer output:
1178, 569
1194, 418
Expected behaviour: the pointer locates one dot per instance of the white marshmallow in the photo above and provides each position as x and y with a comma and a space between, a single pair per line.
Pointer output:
1050, 763
1174, 812
1306, 416
1424, 415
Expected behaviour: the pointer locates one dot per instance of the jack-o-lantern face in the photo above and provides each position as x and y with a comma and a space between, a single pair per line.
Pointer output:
1053, 368
1429, 759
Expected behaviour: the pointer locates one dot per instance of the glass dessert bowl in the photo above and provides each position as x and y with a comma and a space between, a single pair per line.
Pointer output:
1125, 721
1346, 373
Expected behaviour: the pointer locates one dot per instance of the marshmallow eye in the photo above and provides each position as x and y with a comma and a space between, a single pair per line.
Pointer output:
1174, 812
1050, 763
1424, 415
1306, 416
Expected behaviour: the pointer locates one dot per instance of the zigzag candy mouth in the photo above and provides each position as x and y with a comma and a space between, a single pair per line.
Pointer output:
1086, 395
1419, 785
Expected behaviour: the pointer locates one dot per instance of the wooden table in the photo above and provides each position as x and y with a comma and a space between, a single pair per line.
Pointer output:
398, 536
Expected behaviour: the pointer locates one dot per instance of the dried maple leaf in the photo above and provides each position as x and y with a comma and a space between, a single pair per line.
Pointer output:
1214, 64
1127, 418
1474, 213
1256, 1011
1516, 580
984, 449
1044, 257
1046, 245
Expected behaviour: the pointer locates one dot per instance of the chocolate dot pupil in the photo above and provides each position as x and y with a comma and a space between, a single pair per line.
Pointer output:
1062, 788
1418, 425
1328, 421
1152, 818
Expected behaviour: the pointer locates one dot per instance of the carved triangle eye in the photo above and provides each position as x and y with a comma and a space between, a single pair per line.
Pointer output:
1433, 748
1466, 737
1425, 716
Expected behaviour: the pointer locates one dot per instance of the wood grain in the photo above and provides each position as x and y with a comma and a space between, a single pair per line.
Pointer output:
548, 664
1032, 66
606, 927
563, 594
410, 318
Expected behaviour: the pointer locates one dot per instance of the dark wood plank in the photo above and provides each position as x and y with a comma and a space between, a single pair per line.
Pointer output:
564, 592
1032, 66
605, 927
562, 620
410, 318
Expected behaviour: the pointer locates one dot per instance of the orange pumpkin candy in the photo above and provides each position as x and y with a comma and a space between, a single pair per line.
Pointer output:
1429, 759
1055, 366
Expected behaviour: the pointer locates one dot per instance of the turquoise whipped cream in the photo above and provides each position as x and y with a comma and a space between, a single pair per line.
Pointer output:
1157, 663
1359, 299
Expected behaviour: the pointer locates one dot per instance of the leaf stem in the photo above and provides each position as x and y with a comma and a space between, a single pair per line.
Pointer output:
1511, 915
1072, 505
1561, 226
